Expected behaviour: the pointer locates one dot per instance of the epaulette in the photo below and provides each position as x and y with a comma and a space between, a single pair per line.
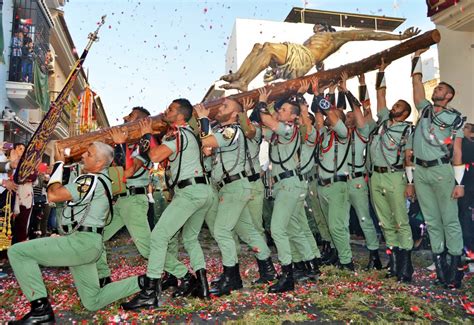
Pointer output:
86, 185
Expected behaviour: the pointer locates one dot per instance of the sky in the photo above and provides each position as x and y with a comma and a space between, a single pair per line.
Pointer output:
151, 52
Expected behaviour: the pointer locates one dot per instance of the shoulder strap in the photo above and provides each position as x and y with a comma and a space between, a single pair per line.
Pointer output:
109, 198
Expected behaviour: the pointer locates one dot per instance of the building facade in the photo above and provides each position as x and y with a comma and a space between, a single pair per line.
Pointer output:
455, 21
38, 53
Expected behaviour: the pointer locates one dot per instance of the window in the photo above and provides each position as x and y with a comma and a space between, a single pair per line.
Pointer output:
30, 40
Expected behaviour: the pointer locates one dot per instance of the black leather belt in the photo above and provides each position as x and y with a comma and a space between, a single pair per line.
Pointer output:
230, 179
133, 191
357, 175
383, 170
431, 163
327, 181
192, 181
254, 177
287, 174
84, 229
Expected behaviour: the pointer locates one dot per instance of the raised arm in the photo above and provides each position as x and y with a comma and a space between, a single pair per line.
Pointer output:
245, 124
148, 146
56, 191
381, 87
417, 76
207, 138
305, 120
268, 120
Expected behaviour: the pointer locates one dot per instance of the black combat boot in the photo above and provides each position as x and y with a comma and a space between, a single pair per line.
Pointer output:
392, 262
312, 268
41, 313
186, 286
455, 272
168, 280
104, 281
228, 282
148, 297
331, 257
374, 260
267, 272
238, 280
201, 290
406, 269
285, 282
400, 257
441, 268
299, 272
348, 266
215, 281
325, 246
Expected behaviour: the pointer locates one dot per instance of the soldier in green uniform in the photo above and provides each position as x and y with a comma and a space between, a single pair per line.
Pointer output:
305, 252
131, 207
437, 176
388, 184
332, 181
83, 220
357, 184
253, 170
235, 191
192, 200
289, 190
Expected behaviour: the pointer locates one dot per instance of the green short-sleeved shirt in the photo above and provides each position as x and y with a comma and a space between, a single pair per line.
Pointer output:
141, 178
254, 150
387, 146
99, 204
284, 143
308, 151
330, 143
188, 155
357, 153
230, 155
430, 140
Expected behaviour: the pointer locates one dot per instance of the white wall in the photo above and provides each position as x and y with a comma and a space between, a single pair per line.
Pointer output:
247, 32
456, 63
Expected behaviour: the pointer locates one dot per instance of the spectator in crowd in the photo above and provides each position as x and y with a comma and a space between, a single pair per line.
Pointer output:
27, 62
466, 203
23, 201
15, 67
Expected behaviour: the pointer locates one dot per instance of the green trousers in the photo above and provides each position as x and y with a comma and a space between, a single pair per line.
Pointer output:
160, 204
267, 213
359, 199
233, 200
131, 212
388, 196
434, 187
289, 196
317, 212
187, 210
79, 251
335, 205
302, 242
255, 206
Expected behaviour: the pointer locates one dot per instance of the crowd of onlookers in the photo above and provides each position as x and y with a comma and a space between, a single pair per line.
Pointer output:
31, 215
23, 55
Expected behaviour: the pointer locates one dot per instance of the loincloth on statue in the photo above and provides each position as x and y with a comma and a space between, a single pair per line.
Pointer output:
299, 60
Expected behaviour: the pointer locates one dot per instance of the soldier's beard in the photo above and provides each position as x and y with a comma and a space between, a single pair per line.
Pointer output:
437, 99
393, 114
222, 118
